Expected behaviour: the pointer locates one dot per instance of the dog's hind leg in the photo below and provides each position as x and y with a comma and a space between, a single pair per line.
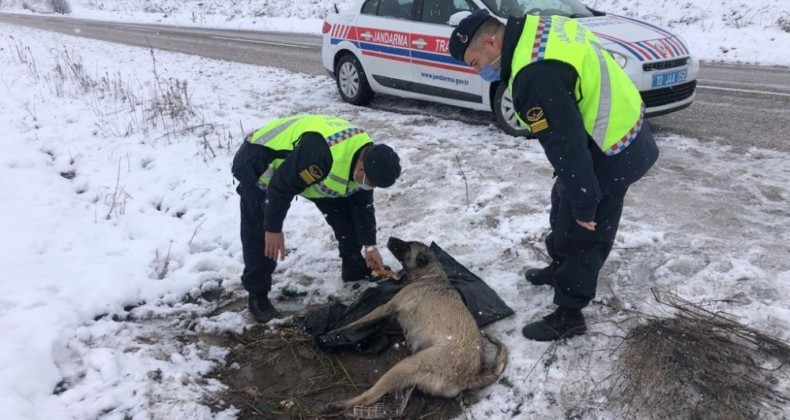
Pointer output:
403, 375
419, 370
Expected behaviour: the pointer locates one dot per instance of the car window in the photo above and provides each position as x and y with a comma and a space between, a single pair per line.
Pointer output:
439, 11
400, 9
370, 7
505, 8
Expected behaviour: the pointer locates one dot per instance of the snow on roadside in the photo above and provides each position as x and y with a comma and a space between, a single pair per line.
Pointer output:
113, 243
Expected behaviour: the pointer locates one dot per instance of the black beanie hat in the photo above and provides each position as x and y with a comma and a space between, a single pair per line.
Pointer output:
463, 33
382, 165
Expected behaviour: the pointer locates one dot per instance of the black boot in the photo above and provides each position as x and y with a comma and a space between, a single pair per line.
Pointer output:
562, 323
541, 276
261, 308
355, 268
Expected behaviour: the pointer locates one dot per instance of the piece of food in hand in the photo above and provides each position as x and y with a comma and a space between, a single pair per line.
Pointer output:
384, 273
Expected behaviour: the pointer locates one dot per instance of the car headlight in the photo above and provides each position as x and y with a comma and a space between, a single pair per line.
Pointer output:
620, 59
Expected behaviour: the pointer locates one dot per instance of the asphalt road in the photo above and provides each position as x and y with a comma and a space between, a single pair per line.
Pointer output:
294, 52
742, 106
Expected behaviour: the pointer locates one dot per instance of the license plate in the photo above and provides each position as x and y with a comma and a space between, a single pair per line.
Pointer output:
671, 78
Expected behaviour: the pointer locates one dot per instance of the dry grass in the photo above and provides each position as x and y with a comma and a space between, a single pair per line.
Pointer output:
116, 199
21, 54
288, 346
698, 364
535, 245
123, 107
278, 373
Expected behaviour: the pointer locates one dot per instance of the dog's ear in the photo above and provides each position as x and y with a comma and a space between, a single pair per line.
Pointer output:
423, 259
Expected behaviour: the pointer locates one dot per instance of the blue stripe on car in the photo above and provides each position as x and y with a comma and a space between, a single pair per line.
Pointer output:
624, 45
439, 58
384, 49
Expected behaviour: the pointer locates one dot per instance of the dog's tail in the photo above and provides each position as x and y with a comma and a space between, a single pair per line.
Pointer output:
487, 378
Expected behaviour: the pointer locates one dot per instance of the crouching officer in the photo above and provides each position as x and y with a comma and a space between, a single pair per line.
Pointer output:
589, 118
327, 160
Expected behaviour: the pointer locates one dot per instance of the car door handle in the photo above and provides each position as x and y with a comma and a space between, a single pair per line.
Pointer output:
420, 43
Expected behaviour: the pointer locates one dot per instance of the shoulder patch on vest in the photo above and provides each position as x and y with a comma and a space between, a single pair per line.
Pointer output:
536, 119
311, 174
315, 171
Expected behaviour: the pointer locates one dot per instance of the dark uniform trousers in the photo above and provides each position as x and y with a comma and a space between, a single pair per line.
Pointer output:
577, 253
258, 269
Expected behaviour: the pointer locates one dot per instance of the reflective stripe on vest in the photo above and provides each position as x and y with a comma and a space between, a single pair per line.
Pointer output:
343, 139
272, 132
610, 104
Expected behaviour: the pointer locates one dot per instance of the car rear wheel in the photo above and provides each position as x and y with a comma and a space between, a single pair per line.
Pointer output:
505, 112
352, 82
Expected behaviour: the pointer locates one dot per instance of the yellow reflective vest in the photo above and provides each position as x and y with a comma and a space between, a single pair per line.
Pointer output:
343, 138
610, 104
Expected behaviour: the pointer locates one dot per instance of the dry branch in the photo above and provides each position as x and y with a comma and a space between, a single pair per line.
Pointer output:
698, 364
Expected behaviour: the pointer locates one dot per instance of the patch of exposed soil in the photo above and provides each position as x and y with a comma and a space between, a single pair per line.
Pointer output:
277, 373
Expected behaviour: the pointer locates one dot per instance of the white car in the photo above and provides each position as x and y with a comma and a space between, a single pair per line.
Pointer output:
400, 47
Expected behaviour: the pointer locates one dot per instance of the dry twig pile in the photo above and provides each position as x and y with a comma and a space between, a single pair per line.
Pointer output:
699, 364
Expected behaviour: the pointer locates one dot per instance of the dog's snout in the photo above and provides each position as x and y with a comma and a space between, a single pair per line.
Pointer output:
397, 247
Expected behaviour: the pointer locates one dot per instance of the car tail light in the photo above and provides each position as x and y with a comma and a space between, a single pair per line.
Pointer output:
327, 27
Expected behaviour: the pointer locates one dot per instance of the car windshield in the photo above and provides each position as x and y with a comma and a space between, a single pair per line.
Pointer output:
569, 8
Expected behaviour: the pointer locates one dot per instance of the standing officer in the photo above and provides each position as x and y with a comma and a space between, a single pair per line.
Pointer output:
588, 116
325, 159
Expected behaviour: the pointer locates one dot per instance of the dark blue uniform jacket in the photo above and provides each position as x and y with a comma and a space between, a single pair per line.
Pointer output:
585, 171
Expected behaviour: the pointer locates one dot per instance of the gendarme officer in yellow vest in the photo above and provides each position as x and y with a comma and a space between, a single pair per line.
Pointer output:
589, 118
325, 159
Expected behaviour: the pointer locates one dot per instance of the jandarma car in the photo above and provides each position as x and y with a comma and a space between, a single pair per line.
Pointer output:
400, 47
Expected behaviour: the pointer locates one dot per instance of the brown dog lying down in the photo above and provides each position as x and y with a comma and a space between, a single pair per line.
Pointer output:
446, 345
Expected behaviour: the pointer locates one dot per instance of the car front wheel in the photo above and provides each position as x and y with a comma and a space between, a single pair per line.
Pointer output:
505, 112
352, 82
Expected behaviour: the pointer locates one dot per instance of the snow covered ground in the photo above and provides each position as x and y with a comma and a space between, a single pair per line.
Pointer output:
117, 222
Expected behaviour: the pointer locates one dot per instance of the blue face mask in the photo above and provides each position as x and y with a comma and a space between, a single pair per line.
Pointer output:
489, 74
363, 185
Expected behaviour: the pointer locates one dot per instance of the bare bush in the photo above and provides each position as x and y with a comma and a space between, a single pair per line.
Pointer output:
170, 101
737, 18
699, 364
784, 22
149, 7
62, 7
70, 67
744, 17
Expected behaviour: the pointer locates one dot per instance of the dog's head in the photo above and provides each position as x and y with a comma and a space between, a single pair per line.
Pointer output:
417, 258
